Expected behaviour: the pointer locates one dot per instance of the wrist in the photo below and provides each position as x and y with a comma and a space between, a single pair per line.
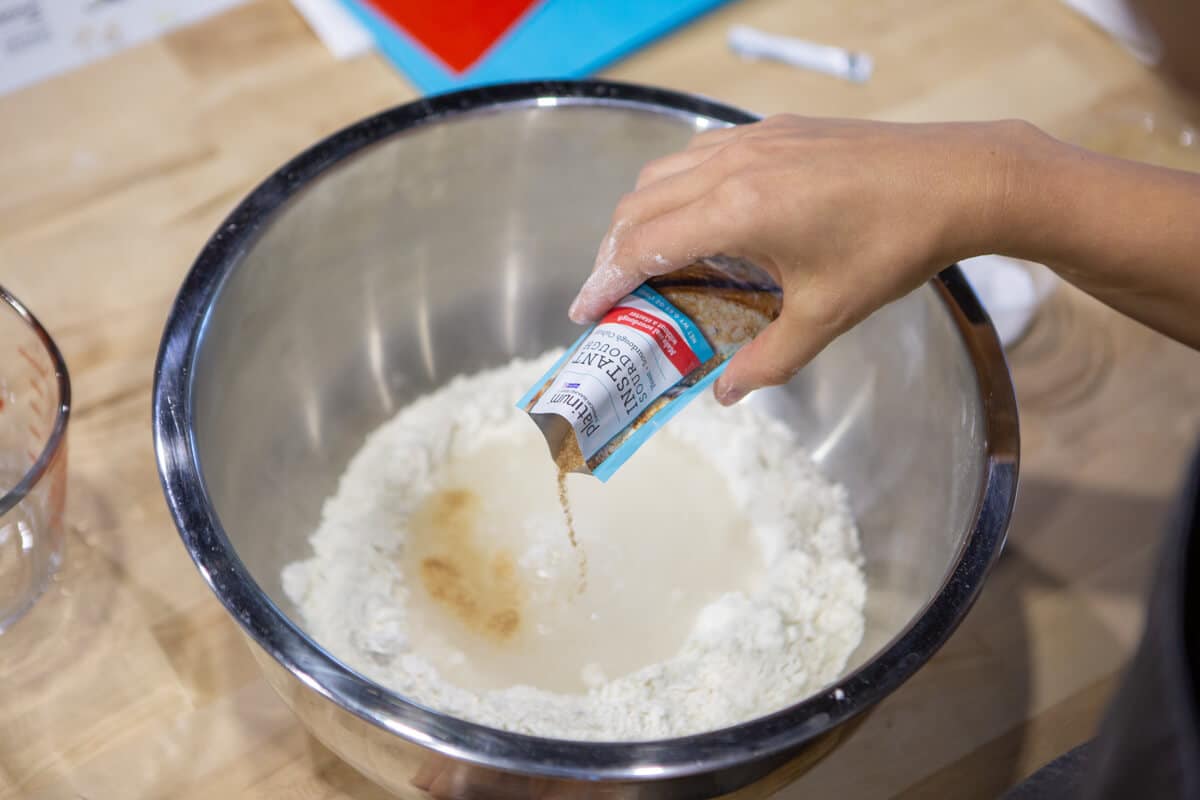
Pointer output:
1022, 205
999, 179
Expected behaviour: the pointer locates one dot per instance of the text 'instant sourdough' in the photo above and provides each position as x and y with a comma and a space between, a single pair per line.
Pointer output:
646, 359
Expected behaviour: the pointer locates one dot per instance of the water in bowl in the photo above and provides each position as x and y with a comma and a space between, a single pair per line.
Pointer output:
497, 597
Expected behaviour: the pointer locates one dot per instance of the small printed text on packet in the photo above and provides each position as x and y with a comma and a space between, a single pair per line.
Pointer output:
641, 348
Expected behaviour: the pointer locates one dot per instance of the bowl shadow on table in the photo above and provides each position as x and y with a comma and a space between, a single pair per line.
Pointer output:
1027, 619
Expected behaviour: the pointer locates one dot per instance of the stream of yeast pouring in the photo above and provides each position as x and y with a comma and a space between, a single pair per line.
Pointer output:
566, 460
725, 315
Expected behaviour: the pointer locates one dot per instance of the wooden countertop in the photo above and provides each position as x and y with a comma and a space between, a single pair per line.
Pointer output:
129, 680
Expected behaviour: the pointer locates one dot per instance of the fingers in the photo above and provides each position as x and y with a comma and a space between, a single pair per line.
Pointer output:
674, 164
718, 135
657, 246
702, 147
782, 349
669, 220
706, 144
650, 237
679, 237
666, 192
771, 124
607, 284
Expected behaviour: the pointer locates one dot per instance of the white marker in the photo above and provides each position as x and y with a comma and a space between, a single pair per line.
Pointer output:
751, 43
336, 27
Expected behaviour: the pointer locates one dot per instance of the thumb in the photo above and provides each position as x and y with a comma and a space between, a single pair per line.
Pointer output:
780, 351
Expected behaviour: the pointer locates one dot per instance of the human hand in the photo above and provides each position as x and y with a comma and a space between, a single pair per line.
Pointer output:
845, 215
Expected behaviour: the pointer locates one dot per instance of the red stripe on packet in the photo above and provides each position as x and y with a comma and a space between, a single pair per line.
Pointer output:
674, 348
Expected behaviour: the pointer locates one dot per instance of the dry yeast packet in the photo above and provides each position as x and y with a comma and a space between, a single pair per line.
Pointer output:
654, 351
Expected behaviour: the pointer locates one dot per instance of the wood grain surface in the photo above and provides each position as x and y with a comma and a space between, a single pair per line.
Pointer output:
130, 681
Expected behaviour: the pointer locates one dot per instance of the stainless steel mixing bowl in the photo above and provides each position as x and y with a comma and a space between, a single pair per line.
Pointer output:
446, 236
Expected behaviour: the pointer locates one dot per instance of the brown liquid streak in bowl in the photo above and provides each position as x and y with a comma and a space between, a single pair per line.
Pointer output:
480, 589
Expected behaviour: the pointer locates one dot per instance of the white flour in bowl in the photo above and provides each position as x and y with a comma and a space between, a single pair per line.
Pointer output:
724, 572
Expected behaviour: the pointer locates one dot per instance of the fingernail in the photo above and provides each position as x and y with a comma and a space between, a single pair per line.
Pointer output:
575, 312
728, 395
578, 312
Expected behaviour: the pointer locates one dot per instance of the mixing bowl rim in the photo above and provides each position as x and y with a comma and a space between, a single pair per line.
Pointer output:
55, 439
277, 635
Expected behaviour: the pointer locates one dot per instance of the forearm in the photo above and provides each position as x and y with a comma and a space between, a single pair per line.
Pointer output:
1127, 233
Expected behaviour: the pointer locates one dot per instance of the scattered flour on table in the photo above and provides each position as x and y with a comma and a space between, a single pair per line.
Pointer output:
749, 652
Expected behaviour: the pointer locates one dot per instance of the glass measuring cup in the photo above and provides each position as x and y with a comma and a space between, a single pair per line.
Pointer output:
35, 397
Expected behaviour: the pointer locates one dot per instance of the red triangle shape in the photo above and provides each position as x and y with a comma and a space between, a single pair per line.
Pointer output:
458, 32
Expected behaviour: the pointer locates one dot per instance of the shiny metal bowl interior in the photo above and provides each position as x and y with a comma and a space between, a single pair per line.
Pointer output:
449, 235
